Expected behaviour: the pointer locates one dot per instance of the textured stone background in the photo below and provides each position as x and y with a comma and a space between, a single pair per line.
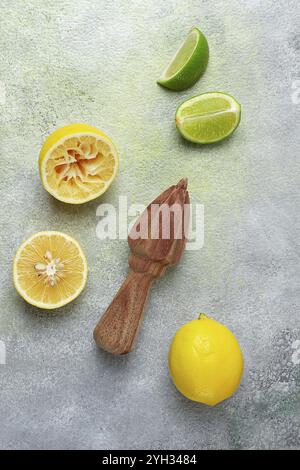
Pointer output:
97, 62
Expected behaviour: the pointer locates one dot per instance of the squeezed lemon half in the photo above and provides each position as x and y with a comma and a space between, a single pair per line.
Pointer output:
50, 270
78, 163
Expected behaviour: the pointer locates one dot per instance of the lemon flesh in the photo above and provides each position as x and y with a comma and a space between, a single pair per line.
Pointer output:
188, 64
208, 118
205, 361
77, 163
50, 270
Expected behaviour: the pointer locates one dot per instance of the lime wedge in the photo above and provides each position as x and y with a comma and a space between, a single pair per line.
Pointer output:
188, 64
208, 118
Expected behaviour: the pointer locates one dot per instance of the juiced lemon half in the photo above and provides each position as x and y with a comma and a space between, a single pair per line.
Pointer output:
50, 270
77, 163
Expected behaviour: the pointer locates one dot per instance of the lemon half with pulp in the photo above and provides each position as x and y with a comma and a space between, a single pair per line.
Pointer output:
78, 163
50, 270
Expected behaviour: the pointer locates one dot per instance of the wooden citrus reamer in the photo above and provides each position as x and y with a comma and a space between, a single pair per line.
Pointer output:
153, 248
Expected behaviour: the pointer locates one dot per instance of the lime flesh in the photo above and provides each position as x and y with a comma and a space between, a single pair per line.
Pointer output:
188, 64
208, 118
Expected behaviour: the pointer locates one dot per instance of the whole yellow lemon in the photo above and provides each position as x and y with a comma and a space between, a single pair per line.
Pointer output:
205, 361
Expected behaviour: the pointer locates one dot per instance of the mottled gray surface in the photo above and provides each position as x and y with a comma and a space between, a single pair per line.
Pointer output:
97, 62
